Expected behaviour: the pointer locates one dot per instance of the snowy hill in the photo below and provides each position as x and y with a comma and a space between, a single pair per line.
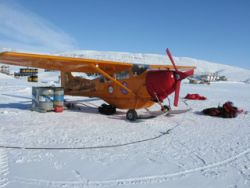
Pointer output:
232, 73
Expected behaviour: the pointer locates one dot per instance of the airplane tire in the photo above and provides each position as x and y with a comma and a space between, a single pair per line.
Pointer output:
165, 108
107, 109
131, 115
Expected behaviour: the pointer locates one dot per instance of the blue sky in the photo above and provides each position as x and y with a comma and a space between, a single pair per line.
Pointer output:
213, 30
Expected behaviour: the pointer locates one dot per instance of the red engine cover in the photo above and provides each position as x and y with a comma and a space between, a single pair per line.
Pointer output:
160, 83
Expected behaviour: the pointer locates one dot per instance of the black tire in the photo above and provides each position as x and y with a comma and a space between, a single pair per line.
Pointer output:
165, 108
131, 115
107, 109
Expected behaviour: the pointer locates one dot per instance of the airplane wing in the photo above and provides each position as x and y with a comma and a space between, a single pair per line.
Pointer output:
62, 63
171, 67
72, 64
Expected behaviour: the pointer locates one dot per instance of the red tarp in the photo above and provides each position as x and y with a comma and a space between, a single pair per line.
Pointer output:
195, 97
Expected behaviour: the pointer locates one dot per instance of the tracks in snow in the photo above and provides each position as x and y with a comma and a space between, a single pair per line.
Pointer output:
4, 169
129, 181
87, 147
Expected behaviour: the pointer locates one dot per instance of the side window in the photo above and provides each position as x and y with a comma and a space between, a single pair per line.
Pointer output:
138, 69
102, 79
122, 75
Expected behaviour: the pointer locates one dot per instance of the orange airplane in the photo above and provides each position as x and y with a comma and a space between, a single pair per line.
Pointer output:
121, 85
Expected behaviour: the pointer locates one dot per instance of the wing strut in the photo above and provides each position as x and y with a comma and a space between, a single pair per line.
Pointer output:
111, 78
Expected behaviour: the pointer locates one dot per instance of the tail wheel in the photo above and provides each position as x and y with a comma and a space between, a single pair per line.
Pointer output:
131, 115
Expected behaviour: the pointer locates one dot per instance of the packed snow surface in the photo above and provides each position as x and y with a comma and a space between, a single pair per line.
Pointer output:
82, 148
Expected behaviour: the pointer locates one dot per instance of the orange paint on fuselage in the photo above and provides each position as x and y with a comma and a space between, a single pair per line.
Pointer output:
111, 92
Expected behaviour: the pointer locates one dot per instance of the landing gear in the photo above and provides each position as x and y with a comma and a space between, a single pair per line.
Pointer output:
131, 115
165, 108
107, 109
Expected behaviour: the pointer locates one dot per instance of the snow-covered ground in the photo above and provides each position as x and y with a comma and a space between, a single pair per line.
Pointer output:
92, 150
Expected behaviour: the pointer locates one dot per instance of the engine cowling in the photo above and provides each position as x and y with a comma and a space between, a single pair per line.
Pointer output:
160, 84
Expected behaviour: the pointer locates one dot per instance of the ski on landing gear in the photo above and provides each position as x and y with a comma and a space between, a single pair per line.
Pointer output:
133, 116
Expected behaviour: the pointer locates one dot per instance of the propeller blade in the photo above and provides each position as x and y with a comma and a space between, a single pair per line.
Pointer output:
177, 92
171, 59
184, 75
178, 77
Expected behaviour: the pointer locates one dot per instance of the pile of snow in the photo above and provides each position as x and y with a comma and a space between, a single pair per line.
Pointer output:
247, 81
232, 73
4, 76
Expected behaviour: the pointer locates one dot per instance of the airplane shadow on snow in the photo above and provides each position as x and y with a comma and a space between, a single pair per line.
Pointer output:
83, 107
22, 105
17, 96
18, 105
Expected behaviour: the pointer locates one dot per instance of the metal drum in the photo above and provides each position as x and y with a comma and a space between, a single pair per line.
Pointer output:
42, 99
58, 96
33, 78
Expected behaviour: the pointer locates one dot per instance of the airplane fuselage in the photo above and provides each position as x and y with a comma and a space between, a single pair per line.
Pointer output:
146, 88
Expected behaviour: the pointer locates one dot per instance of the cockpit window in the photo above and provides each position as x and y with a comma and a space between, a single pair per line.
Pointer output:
139, 68
122, 75
102, 79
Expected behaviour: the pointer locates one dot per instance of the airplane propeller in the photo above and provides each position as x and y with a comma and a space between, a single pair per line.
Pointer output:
178, 76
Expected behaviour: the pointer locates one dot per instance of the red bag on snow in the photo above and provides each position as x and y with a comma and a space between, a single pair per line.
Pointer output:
195, 97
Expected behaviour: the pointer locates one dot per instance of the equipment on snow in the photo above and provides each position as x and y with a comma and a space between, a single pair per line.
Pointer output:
46, 99
58, 109
228, 110
107, 109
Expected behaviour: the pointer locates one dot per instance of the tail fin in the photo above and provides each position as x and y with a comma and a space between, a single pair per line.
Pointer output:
65, 78
76, 85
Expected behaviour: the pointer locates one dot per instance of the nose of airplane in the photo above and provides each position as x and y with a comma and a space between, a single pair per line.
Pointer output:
160, 84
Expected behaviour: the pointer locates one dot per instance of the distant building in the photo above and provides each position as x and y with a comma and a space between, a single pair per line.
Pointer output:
5, 69
31, 74
207, 78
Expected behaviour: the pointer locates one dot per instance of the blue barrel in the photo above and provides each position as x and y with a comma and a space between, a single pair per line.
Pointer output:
58, 96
